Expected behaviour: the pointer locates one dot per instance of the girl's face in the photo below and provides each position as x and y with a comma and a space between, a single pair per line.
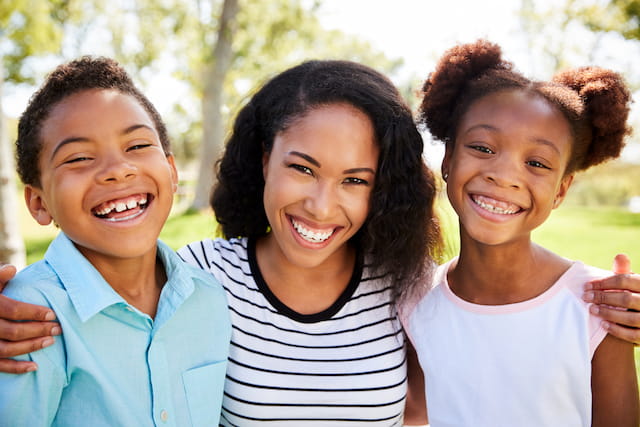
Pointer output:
506, 167
318, 181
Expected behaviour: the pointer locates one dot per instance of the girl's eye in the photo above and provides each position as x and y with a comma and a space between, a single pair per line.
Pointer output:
537, 164
357, 181
301, 168
481, 148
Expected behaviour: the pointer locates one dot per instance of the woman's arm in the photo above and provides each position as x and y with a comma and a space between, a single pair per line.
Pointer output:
415, 412
617, 301
614, 385
23, 328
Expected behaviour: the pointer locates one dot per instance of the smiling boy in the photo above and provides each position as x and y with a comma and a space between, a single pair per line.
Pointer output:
145, 336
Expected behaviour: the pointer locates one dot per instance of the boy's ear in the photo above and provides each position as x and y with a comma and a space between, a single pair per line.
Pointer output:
36, 205
562, 191
174, 171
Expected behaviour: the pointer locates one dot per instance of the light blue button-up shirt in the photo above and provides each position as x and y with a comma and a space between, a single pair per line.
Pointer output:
114, 365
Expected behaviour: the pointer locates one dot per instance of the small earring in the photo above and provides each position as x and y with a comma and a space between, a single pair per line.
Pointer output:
445, 176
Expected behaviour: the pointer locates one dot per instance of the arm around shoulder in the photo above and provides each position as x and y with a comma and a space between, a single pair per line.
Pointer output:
614, 385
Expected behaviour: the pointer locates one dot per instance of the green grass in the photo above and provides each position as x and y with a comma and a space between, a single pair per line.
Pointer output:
592, 235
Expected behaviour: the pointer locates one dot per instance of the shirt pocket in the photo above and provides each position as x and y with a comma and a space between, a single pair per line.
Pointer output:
204, 387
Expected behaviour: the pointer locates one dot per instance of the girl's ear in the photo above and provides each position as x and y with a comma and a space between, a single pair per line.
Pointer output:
562, 190
265, 164
37, 205
444, 168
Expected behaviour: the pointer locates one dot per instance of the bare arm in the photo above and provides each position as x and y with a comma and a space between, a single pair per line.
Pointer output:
614, 385
415, 412
23, 328
617, 301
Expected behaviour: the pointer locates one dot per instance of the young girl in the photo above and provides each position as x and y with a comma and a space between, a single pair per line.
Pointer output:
503, 337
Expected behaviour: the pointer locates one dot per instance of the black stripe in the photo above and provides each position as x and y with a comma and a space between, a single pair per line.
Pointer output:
370, 356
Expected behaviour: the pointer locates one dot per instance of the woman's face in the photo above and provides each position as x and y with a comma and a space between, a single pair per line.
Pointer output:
318, 181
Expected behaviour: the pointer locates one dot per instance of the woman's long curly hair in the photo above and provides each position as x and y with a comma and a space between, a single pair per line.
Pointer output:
595, 101
400, 235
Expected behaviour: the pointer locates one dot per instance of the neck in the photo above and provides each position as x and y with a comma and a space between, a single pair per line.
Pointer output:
305, 289
138, 280
504, 274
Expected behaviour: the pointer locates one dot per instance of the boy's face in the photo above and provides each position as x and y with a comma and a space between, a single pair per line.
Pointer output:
106, 180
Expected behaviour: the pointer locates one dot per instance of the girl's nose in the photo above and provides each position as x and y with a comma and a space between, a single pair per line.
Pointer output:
321, 201
504, 172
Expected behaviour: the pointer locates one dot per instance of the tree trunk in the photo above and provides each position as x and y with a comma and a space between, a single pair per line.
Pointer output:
11, 244
213, 128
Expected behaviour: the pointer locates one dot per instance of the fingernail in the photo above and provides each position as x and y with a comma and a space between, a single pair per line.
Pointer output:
46, 342
31, 368
606, 325
56, 330
588, 286
588, 296
50, 316
594, 309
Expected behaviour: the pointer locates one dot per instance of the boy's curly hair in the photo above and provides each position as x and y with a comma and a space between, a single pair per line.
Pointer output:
595, 101
84, 73
400, 235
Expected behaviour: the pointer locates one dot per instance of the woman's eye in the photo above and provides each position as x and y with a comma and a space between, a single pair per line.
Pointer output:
358, 181
301, 168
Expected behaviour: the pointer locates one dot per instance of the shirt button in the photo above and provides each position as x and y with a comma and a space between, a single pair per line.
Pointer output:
164, 416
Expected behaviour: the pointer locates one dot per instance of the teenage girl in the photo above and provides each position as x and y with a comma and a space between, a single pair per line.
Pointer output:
504, 337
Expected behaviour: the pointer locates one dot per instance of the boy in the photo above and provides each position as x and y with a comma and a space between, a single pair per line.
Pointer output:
145, 336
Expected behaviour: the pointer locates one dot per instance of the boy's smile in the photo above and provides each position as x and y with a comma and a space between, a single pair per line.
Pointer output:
105, 178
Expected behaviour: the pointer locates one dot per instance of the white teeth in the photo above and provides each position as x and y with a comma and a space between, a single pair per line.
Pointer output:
120, 206
494, 209
311, 236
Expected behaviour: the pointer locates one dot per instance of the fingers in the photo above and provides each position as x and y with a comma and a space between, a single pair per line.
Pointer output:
14, 367
630, 319
621, 264
7, 272
623, 300
15, 310
624, 333
629, 282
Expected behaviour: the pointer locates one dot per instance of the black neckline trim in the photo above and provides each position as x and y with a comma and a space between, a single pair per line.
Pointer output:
356, 276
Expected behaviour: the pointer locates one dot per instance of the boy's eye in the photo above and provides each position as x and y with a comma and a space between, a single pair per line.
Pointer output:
76, 160
139, 146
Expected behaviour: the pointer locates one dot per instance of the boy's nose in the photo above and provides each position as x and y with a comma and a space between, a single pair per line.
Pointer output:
116, 169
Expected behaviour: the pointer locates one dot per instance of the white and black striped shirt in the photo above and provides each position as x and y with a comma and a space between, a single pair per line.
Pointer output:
343, 366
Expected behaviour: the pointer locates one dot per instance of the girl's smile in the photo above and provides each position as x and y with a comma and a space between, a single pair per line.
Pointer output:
506, 167
318, 181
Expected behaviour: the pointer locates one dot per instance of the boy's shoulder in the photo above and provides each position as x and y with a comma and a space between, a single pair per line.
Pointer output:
35, 284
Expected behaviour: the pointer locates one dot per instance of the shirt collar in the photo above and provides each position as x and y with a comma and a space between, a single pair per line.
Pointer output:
90, 293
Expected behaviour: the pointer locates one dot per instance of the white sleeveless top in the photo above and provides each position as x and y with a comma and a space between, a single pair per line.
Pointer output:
523, 364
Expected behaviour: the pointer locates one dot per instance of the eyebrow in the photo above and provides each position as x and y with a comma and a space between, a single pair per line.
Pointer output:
316, 163
72, 139
540, 141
